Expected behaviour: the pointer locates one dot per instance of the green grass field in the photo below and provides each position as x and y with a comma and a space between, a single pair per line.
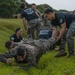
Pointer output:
48, 65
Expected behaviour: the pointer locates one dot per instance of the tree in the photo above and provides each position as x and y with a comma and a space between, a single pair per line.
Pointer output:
63, 10
8, 8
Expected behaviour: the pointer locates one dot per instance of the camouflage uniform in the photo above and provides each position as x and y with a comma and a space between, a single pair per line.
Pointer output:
33, 21
34, 48
34, 24
69, 37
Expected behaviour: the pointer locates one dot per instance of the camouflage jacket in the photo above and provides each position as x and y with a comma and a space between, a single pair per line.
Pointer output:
34, 51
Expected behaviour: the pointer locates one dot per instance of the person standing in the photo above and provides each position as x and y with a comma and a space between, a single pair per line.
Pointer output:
28, 14
46, 22
34, 7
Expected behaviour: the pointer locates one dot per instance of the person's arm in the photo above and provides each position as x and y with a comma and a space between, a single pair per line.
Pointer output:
24, 23
6, 57
54, 33
39, 15
63, 30
62, 22
22, 40
23, 14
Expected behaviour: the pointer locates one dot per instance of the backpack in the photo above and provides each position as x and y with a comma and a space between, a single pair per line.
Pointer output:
45, 34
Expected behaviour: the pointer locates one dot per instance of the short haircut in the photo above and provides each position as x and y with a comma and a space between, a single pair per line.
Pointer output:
47, 11
73, 11
45, 6
21, 51
18, 29
22, 5
7, 44
34, 4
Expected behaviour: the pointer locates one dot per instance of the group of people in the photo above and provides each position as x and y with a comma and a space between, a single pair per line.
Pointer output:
29, 51
33, 20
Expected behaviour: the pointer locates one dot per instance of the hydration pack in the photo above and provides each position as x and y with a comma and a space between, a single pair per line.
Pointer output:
45, 34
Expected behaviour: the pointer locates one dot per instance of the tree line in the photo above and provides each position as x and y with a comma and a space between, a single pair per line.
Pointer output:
10, 7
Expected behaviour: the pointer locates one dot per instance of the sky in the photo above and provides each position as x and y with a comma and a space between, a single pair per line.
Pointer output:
56, 4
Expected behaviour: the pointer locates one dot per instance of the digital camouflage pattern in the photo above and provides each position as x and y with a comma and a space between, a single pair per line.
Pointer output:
35, 49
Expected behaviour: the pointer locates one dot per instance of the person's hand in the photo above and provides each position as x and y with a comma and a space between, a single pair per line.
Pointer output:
58, 39
55, 37
21, 41
9, 61
26, 30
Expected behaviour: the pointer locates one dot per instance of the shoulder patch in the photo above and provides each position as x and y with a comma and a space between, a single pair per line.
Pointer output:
61, 20
12, 38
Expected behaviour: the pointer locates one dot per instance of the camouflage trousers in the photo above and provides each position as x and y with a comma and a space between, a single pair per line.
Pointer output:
34, 25
69, 38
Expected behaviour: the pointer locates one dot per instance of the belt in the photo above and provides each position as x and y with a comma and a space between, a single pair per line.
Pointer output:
33, 19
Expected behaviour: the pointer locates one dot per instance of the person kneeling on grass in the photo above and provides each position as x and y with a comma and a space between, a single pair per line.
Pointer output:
17, 37
29, 53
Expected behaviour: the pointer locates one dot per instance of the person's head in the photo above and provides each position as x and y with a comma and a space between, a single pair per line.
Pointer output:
9, 45
19, 31
23, 6
74, 12
49, 14
21, 54
45, 7
34, 6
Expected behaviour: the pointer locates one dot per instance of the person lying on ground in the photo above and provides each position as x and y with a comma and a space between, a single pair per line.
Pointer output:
29, 53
